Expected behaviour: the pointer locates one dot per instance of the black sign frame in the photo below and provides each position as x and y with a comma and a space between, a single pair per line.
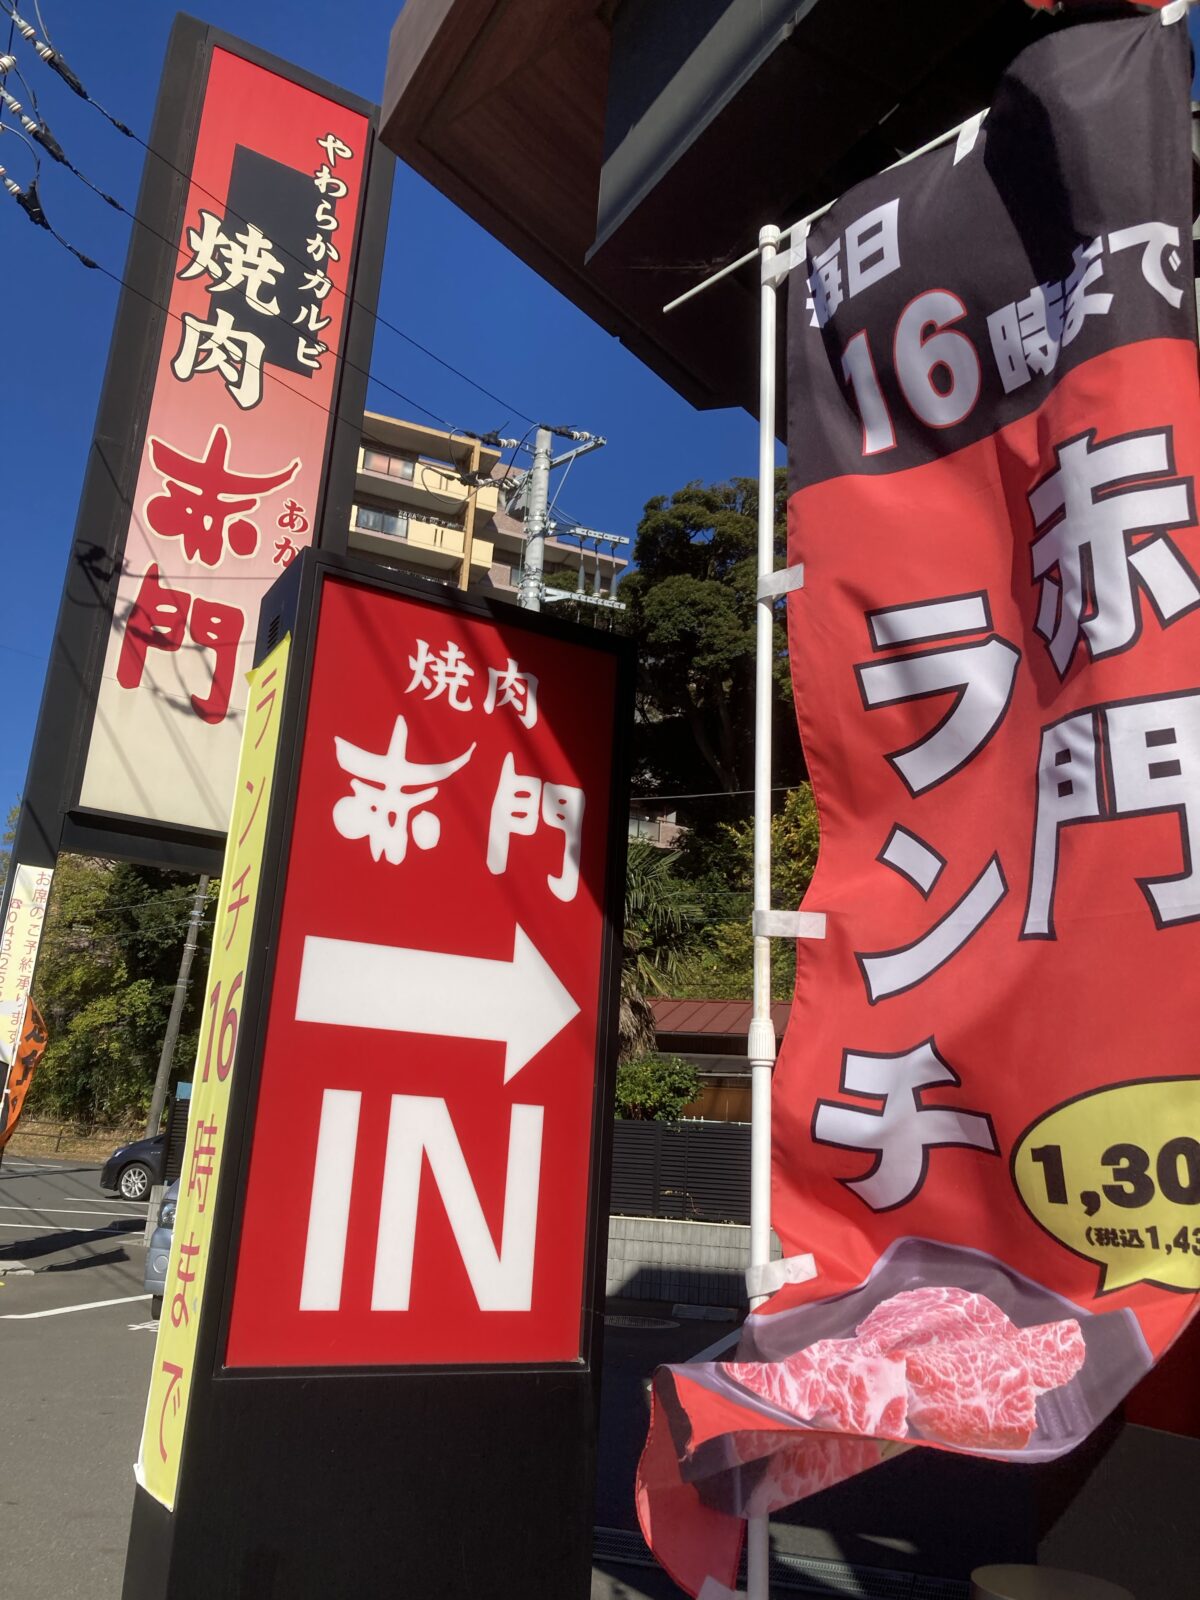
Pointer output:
386, 1460
51, 817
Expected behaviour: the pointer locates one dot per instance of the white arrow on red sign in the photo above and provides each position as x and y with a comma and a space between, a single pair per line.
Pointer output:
519, 1002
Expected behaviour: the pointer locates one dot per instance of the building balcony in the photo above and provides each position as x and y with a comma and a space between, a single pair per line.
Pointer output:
414, 540
411, 539
509, 536
657, 828
421, 484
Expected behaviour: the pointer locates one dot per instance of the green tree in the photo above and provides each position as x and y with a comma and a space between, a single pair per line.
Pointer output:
105, 977
795, 837
691, 608
6, 842
719, 866
659, 913
655, 1088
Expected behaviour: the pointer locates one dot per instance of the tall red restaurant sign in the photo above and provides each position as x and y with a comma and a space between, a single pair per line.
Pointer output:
987, 1106
229, 484
224, 446
410, 1252
427, 1092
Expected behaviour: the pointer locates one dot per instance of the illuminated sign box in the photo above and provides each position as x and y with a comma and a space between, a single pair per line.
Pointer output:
406, 1280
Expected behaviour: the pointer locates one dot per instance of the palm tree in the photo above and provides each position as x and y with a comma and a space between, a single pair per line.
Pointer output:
658, 913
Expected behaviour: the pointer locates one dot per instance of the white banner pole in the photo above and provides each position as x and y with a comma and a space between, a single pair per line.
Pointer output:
761, 1041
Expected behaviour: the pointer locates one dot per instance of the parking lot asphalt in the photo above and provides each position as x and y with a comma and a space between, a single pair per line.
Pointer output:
75, 1350
76, 1346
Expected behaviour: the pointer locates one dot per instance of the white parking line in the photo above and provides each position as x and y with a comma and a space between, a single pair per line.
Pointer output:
15, 1164
65, 1227
62, 1311
75, 1211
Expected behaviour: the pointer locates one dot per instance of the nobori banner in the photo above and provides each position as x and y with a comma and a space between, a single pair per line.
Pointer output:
172, 1377
987, 1108
231, 409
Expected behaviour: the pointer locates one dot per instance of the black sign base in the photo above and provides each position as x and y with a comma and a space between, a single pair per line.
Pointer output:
447, 1486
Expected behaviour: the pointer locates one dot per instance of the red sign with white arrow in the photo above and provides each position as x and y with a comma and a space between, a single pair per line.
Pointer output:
421, 1148
519, 1001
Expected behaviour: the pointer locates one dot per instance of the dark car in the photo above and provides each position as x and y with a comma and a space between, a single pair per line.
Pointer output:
133, 1168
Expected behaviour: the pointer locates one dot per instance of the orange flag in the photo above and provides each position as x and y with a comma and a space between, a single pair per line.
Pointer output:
20, 1077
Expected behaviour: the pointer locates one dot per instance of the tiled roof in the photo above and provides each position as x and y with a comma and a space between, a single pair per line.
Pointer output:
709, 1017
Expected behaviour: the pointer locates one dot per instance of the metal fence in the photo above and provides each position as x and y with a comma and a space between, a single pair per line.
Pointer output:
686, 1171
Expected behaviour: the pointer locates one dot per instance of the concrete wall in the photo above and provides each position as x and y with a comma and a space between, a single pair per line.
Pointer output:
688, 1263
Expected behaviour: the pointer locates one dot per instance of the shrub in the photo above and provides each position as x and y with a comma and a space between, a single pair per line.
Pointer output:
655, 1088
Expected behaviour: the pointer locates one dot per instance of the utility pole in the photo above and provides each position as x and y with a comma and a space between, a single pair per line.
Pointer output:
581, 594
535, 523
176, 1017
464, 575
533, 590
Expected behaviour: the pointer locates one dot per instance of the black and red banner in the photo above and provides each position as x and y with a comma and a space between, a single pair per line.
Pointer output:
987, 1106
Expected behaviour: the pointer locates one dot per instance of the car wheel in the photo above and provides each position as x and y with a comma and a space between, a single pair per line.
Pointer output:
156, 1306
135, 1181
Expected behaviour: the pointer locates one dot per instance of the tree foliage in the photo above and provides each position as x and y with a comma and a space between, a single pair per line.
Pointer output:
719, 866
692, 612
655, 1088
114, 933
6, 841
105, 979
691, 609
659, 913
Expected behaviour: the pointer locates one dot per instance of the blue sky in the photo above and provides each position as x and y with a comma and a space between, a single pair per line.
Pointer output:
445, 281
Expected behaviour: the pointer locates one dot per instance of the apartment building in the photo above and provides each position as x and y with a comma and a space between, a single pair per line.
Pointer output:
447, 508
656, 822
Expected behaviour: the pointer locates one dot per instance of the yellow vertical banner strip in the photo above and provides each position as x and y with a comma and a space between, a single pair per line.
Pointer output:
216, 1060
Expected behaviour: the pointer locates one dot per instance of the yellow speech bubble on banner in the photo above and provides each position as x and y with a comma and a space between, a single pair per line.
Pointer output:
1114, 1175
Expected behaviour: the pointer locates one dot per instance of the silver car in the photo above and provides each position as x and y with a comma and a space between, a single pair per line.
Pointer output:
159, 1252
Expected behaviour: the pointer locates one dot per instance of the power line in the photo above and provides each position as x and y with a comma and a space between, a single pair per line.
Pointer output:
517, 448
30, 203
55, 61
717, 794
37, 11
9, 58
38, 129
186, 887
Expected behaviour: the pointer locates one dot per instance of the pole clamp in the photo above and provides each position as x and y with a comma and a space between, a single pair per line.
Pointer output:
713, 1590
769, 1276
789, 924
774, 585
775, 269
968, 136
